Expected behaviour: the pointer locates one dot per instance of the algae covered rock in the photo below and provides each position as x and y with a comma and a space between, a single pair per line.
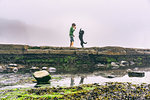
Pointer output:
42, 76
136, 74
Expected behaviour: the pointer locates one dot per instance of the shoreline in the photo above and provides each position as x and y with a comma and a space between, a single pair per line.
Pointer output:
110, 90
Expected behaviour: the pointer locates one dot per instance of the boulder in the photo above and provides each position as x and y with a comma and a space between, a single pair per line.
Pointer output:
42, 76
136, 74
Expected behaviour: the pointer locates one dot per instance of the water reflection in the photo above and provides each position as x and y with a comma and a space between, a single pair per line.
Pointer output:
42, 85
12, 80
72, 83
82, 79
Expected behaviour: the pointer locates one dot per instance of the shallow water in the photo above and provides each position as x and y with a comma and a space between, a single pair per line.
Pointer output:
99, 79
12, 80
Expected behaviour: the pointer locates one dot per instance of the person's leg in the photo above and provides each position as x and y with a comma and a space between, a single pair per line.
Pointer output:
71, 41
70, 44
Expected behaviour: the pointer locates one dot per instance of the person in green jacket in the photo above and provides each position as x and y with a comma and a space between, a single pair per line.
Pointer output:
72, 29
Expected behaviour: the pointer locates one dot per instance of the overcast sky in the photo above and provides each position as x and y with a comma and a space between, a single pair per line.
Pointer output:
123, 23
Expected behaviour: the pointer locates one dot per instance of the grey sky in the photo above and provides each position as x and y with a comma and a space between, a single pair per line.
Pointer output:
46, 22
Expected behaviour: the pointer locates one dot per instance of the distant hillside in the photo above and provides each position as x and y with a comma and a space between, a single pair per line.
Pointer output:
14, 31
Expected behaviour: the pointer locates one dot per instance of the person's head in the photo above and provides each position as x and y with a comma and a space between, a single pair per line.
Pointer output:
73, 24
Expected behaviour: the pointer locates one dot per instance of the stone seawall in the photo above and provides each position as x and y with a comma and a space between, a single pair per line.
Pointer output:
73, 60
26, 49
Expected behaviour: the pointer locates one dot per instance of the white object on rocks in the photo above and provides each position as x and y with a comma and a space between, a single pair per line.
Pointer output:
34, 67
100, 65
124, 63
132, 63
52, 69
136, 69
44, 68
115, 67
12, 65
114, 64
15, 70
129, 70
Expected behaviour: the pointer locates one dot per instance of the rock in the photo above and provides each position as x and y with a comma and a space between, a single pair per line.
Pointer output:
136, 74
114, 65
62, 93
52, 69
100, 66
15, 70
42, 76
124, 63
132, 63
135, 69
34, 69
129, 70
1, 69
12, 65
11, 68
110, 76
105, 75
44, 68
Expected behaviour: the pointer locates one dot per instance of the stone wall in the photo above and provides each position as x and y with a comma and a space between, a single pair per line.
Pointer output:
25, 49
73, 63
72, 60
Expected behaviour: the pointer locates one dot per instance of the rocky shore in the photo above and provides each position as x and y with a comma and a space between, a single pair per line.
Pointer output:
27, 59
107, 91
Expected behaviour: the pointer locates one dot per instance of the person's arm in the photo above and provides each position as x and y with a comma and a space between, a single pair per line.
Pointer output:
74, 30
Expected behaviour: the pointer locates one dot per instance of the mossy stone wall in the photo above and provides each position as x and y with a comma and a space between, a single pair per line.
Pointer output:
71, 63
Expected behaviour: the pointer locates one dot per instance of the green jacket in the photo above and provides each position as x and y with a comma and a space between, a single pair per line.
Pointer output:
71, 31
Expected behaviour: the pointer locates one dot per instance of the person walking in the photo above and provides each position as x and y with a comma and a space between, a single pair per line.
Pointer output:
72, 29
